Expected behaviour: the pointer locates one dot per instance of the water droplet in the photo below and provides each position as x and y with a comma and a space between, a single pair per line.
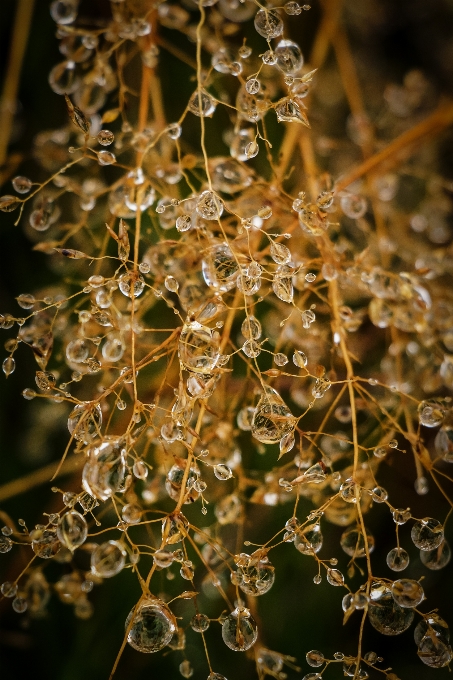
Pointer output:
353, 542
427, 534
199, 623
131, 285
84, 422
72, 529
385, 615
104, 473
108, 559
268, 23
309, 539
20, 605
272, 418
335, 577
22, 184
9, 366
289, 57
431, 412
9, 589
106, 158
437, 558
239, 630
397, 559
220, 268
315, 658
153, 626
407, 593
353, 206
209, 206
198, 347
222, 472
105, 137
203, 105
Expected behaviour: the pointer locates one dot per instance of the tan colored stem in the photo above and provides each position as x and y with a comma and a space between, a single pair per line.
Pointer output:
8, 100
392, 154
37, 477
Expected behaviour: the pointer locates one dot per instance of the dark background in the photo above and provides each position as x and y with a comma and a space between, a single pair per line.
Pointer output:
392, 37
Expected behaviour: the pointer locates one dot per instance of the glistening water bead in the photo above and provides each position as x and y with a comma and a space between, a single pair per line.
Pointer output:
387, 616
407, 592
397, 559
239, 630
108, 559
72, 529
427, 533
150, 626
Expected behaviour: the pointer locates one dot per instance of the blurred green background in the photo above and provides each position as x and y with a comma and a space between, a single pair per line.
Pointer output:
403, 35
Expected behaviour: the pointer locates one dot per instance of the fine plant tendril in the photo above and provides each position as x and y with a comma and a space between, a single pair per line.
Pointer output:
246, 320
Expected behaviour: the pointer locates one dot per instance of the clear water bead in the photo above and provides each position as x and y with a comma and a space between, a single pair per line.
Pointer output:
9, 366
84, 422
353, 542
427, 534
5, 544
251, 328
407, 593
386, 616
380, 452
203, 105
437, 558
335, 577
315, 658
153, 626
20, 605
432, 624
353, 206
140, 469
397, 559
72, 530
289, 57
185, 668
131, 285
64, 11
272, 419
45, 543
200, 623
239, 630
268, 23
22, 184
209, 206
199, 347
222, 472
106, 158
108, 559
105, 137
253, 85
174, 130
299, 359
131, 513
431, 412
308, 540
8, 589
104, 473
401, 516
292, 8
255, 576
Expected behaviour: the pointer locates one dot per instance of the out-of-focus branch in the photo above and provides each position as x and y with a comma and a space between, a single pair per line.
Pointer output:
8, 100
38, 477
438, 121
